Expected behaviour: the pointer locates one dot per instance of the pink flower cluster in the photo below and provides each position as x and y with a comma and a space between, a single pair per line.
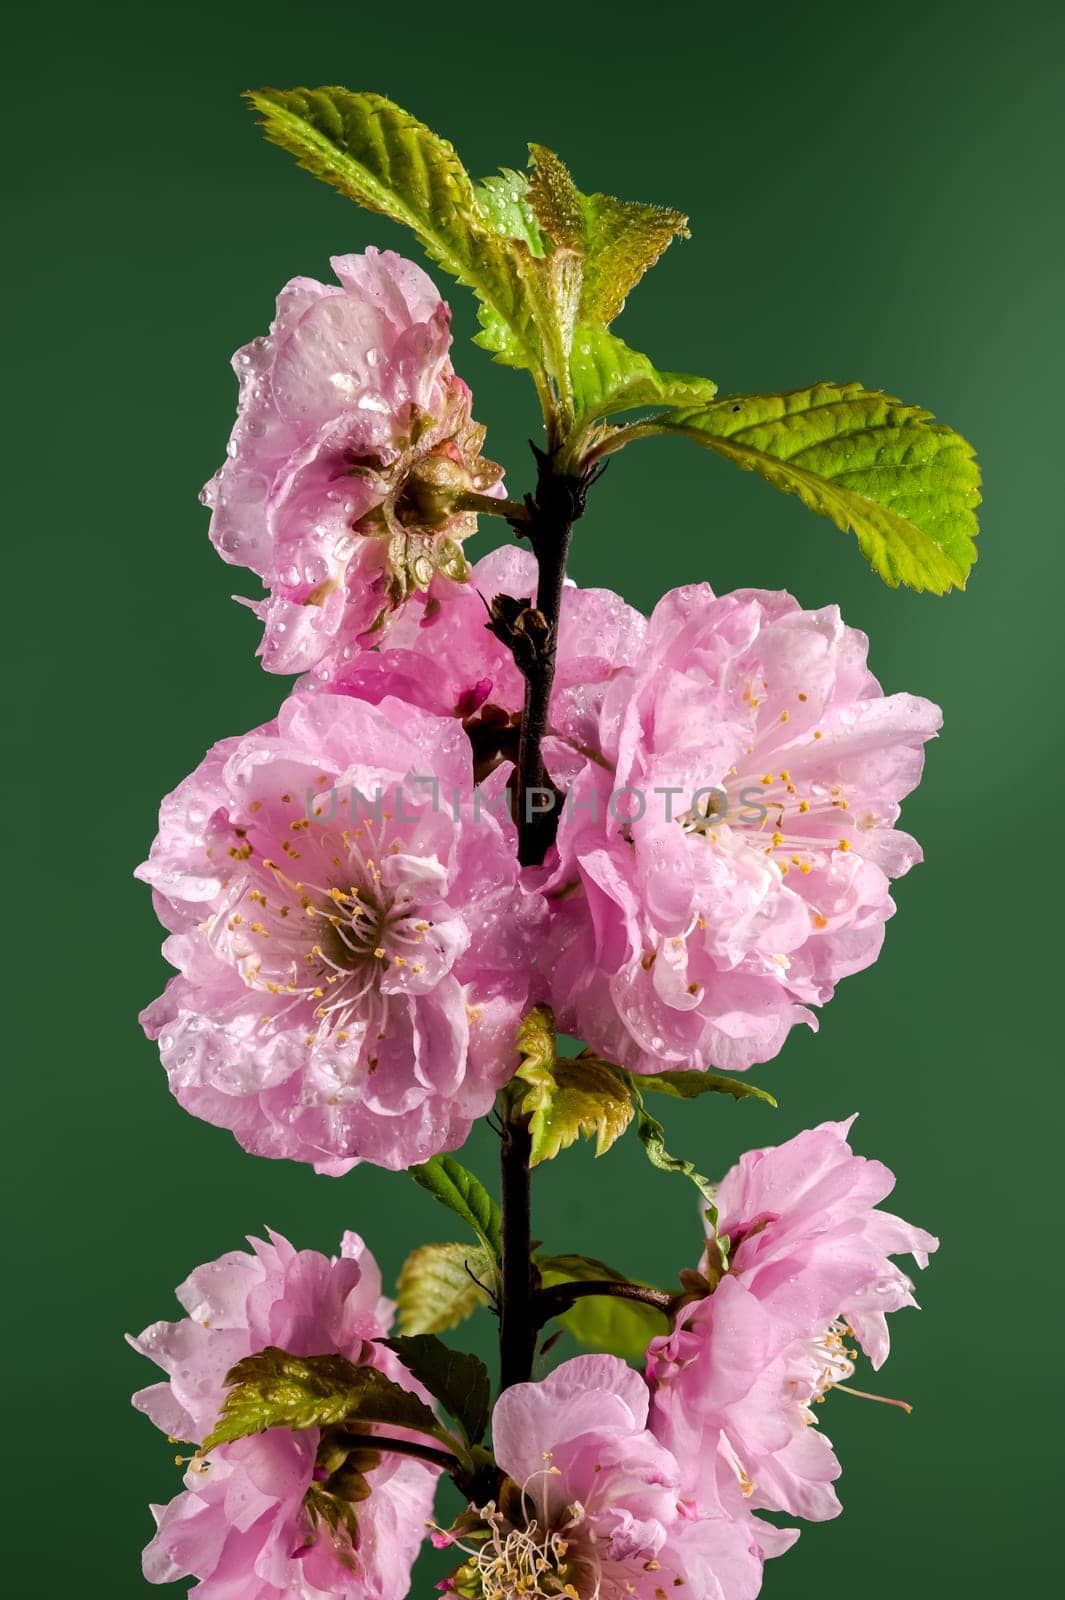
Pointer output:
241, 1524
353, 957
809, 1276
356, 944
631, 1486
732, 776
352, 450
350, 983
603, 1502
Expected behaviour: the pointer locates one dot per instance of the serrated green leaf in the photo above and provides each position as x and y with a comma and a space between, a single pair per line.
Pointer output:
621, 1327
625, 239
450, 1182
906, 486
582, 1098
616, 240
689, 1085
566, 1098
440, 1285
275, 1390
557, 203
535, 1037
379, 155
506, 204
458, 1380
609, 377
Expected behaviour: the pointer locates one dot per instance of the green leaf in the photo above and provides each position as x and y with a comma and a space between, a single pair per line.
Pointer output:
505, 202
583, 1098
455, 1187
458, 1380
617, 240
689, 1085
621, 1327
566, 1099
437, 1286
625, 240
379, 155
275, 1390
906, 486
536, 1037
609, 377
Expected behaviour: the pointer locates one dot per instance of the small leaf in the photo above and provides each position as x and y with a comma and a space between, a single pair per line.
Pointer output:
609, 377
621, 1327
689, 1085
506, 204
383, 158
536, 1037
455, 1187
565, 1098
557, 203
583, 1098
458, 1380
275, 1390
906, 486
617, 240
437, 1286
625, 239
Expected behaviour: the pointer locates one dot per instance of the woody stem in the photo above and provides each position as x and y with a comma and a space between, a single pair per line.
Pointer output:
548, 520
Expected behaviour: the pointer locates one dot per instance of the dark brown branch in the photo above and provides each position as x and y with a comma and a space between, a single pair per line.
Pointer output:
532, 634
517, 1328
552, 1302
406, 1447
557, 504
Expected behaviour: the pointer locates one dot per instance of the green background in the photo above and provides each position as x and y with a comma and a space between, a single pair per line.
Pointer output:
875, 194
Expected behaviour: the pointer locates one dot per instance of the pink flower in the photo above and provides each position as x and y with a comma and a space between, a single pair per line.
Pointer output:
440, 655
599, 1499
747, 867
351, 451
242, 1524
349, 935
808, 1274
